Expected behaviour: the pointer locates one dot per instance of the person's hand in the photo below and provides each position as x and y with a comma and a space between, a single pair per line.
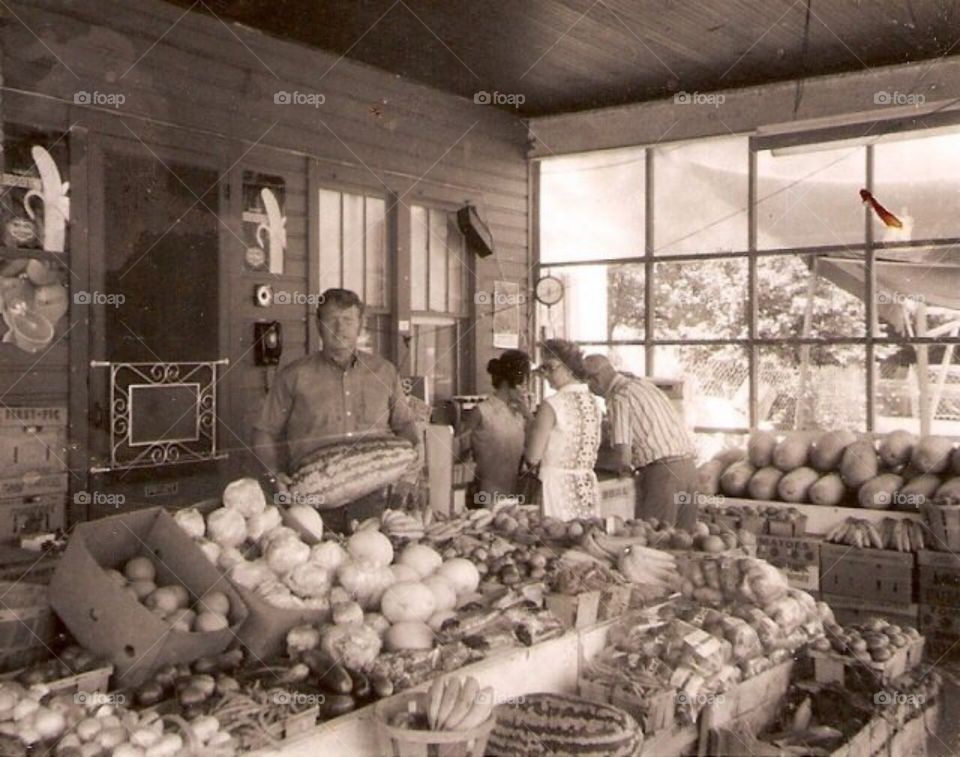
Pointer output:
283, 482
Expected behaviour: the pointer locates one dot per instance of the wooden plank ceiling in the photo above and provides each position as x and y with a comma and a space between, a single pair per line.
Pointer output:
568, 55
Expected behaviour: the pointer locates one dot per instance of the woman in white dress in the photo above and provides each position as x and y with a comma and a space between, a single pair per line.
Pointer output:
565, 436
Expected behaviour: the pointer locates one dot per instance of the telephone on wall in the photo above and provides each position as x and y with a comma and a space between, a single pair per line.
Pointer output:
267, 342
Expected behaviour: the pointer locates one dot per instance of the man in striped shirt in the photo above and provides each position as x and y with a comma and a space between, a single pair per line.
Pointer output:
647, 437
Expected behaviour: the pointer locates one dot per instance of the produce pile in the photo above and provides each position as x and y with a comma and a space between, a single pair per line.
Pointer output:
897, 471
874, 641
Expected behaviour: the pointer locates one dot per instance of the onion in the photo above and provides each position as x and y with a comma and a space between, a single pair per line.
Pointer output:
88, 729
111, 737
168, 746
49, 723
127, 750
25, 708
144, 737
205, 727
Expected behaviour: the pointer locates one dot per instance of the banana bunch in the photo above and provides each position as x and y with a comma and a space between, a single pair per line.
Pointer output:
478, 521
903, 535
606, 547
400, 525
456, 704
442, 531
856, 532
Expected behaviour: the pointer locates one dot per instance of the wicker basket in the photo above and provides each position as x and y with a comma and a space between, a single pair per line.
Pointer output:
403, 742
943, 519
28, 627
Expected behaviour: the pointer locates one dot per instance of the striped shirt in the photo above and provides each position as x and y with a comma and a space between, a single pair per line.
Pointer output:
641, 416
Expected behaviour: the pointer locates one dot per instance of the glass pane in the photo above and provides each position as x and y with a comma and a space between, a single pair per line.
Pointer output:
628, 358
599, 303
330, 269
701, 300
812, 387
709, 444
917, 381
435, 355
700, 196
456, 265
593, 206
438, 261
159, 241
917, 291
375, 337
916, 181
811, 198
353, 243
376, 290
811, 296
716, 383
419, 231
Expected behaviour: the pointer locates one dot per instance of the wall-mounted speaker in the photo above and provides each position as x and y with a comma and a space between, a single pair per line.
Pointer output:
477, 233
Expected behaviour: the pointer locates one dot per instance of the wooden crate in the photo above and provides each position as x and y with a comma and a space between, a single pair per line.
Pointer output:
794, 527
36, 514
672, 742
792, 552
655, 713
939, 578
575, 610
850, 610
868, 574
941, 627
755, 701
831, 667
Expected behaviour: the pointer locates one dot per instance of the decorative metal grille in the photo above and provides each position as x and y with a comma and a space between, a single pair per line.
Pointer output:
161, 414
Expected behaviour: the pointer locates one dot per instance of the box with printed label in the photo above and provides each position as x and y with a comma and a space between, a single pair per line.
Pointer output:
39, 514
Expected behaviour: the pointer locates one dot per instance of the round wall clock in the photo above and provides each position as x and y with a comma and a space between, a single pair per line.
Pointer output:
548, 290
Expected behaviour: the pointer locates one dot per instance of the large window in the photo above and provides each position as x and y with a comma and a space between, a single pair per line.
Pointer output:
751, 268
353, 255
438, 299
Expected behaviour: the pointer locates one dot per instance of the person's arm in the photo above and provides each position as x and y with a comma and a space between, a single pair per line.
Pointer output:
618, 456
539, 433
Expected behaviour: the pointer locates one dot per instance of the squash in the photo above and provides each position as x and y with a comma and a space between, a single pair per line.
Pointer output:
827, 451
950, 489
859, 464
729, 456
792, 452
795, 486
760, 448
708, 477
828, 490
879, 493
763, 484
734, 480
920, 489
554, 724
339, 473
932, 454
896, 448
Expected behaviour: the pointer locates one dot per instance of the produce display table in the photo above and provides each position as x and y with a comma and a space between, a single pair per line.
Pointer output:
821, 519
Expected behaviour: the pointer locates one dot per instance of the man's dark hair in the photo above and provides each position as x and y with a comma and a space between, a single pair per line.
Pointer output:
340, 299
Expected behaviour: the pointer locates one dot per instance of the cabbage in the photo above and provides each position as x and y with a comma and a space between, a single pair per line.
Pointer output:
250, 575
365, 582
226, 527
307, 520
308, 580
245, 497
211, 549
356, 645
284, 600
285, 554
229, 556
261, 523
191, 521
278, 532
302, 639
317, 603
329, 555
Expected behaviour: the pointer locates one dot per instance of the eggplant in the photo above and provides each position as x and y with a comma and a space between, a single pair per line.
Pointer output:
206, 665
361, 687
330, 674
335, 705
382, 685
149, 694
230, 660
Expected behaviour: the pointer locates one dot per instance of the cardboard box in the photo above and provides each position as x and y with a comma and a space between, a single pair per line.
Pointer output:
108, 621
264, 632
797, 553
28, 448
758, 697
806, 579
869, 574
795, 527
32, 484
38, 514
575, 610
48, 417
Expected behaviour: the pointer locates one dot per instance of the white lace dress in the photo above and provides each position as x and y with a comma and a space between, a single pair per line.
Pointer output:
570, 488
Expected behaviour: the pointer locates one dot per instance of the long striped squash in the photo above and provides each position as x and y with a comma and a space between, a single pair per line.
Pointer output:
555, 724
340, 473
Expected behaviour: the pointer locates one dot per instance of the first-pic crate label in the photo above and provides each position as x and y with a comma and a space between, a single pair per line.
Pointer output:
794, 552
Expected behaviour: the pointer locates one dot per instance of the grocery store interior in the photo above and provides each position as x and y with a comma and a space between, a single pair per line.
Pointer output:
455, 379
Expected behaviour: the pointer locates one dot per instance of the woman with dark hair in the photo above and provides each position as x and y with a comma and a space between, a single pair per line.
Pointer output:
565, 436
496, 428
